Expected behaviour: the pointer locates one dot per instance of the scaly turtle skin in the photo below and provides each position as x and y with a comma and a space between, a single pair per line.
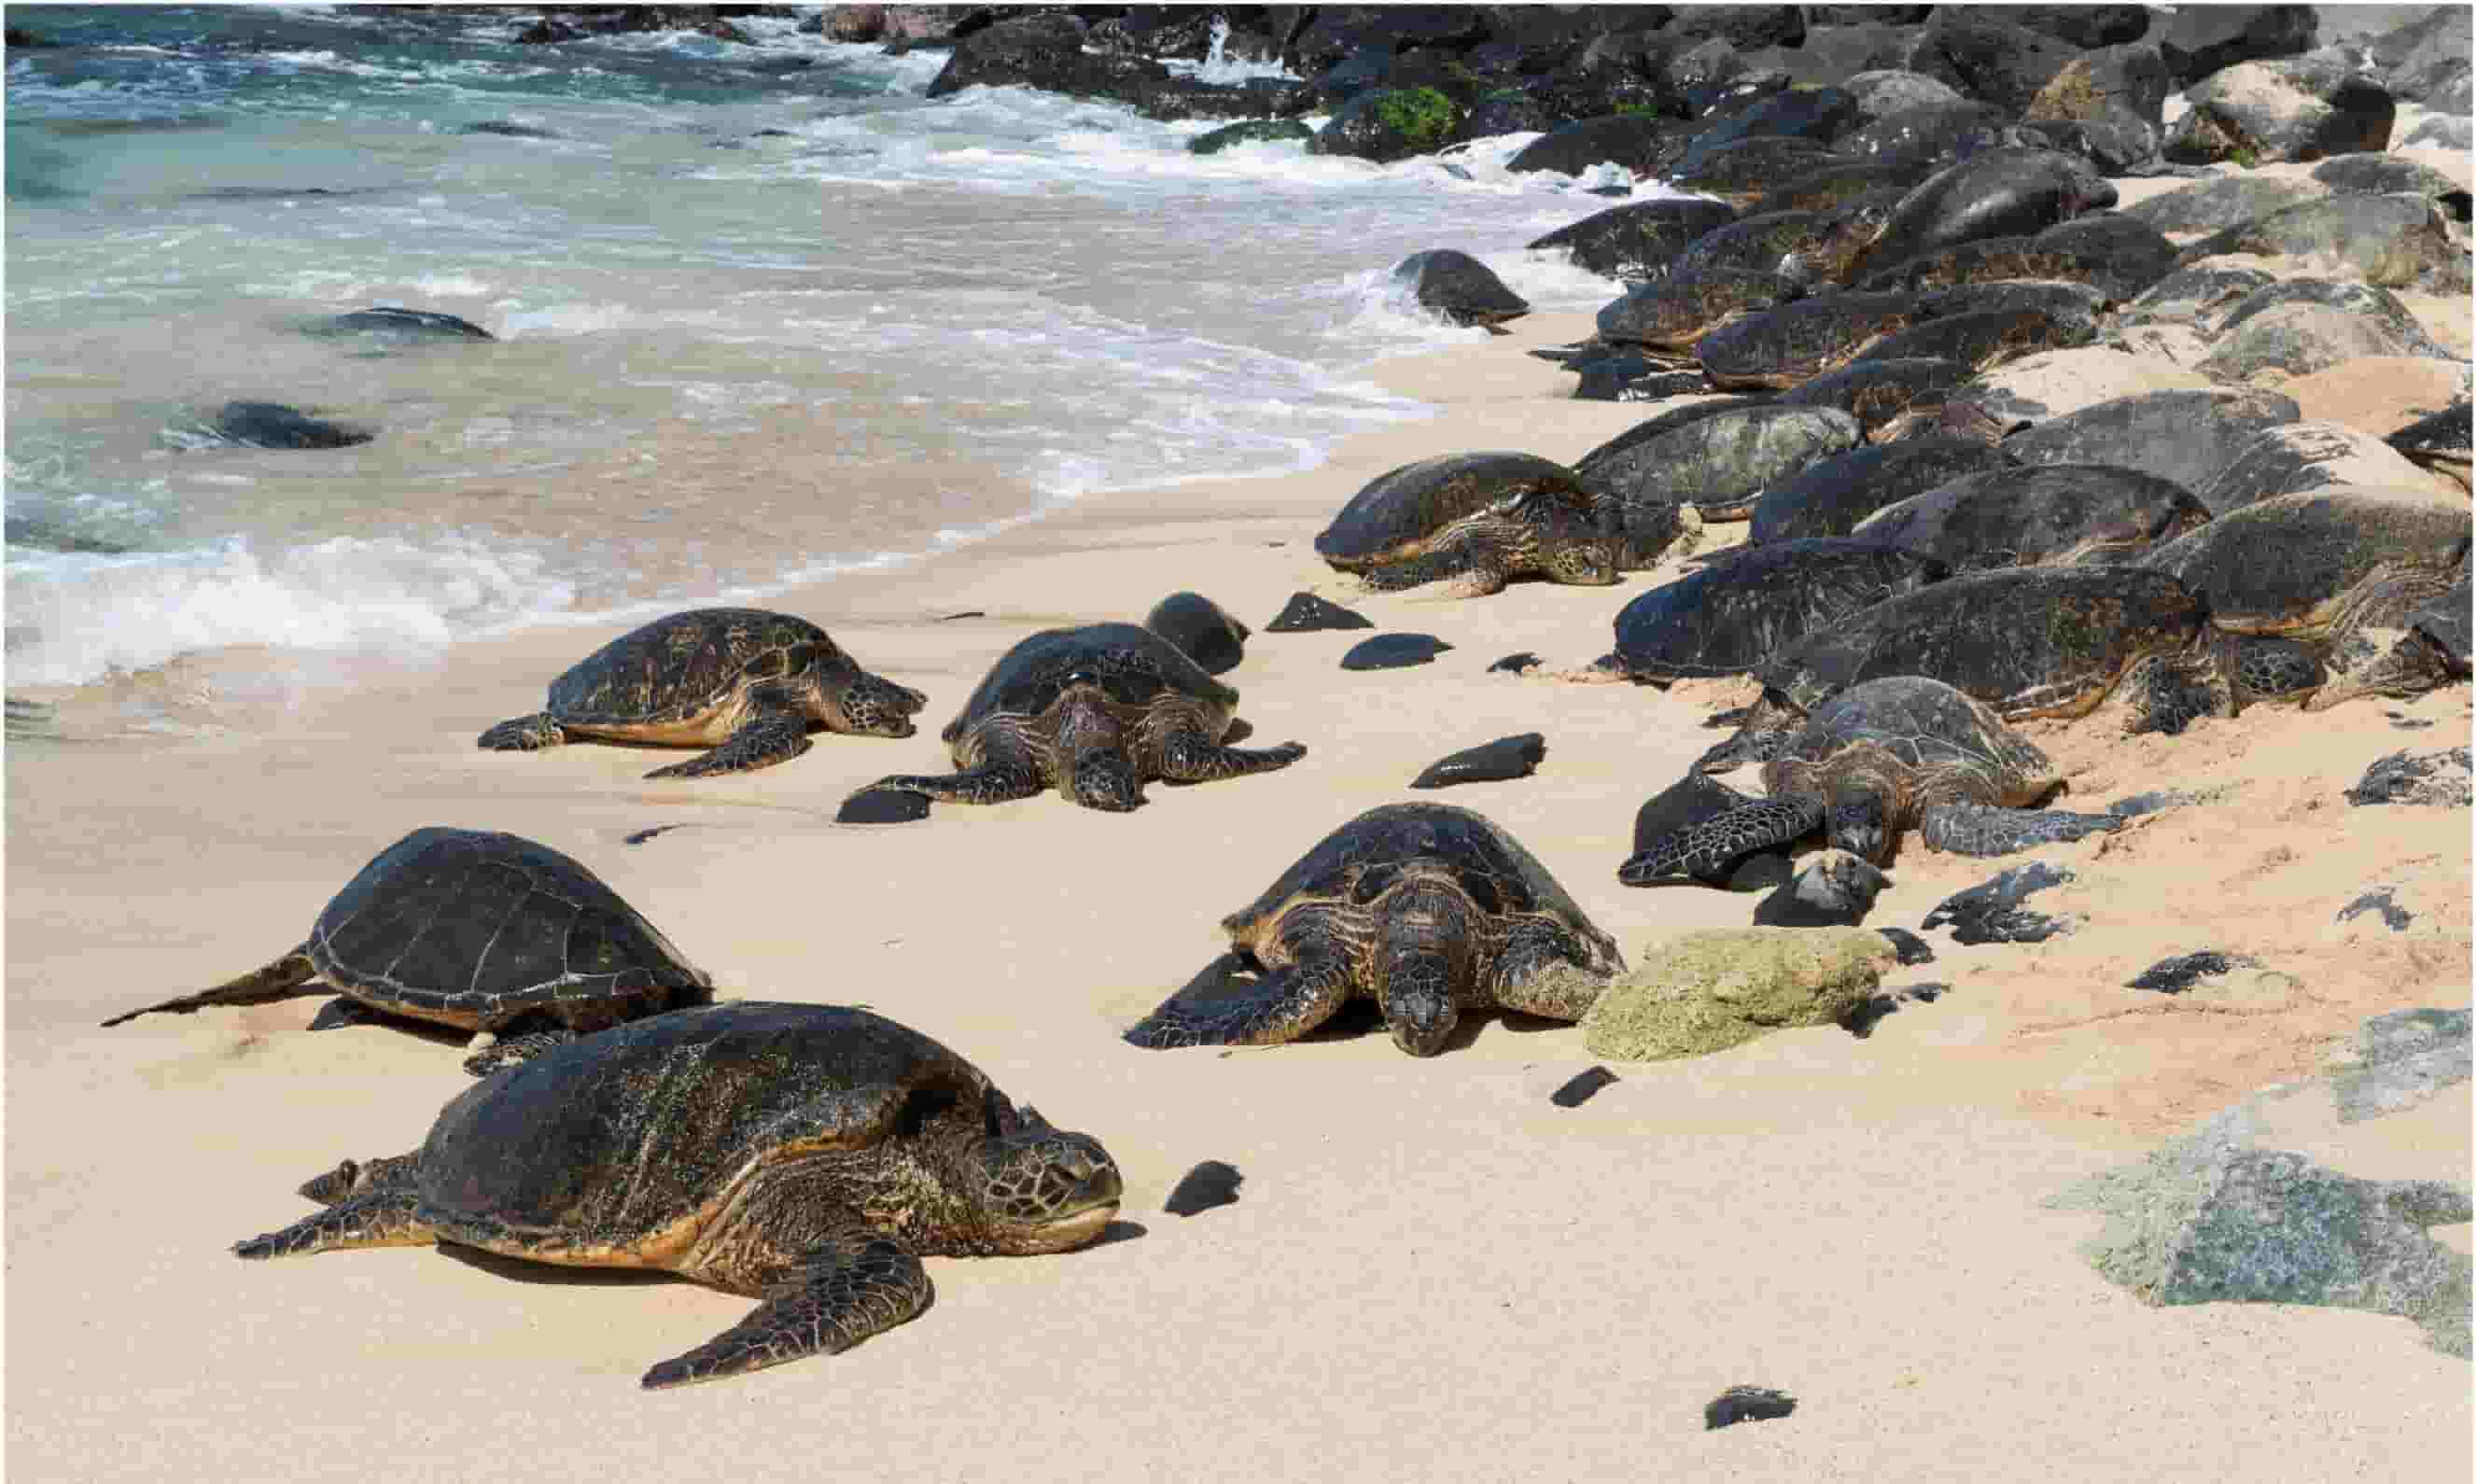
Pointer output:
743, 681
1881, 758
806, 1155
486, 932
1094, 712
2039, 515
1427, 909
2441, 440
1796, 342
1733, 614
1473, 521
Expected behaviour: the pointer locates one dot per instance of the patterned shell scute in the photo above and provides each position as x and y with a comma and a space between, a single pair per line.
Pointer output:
1806, 337
680, 667
1491, 863
458, 918
1925, 725
1132, 665
623, 1133
1726, 618
1418, 500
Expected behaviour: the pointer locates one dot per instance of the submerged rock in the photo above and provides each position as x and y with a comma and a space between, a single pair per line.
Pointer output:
273, 425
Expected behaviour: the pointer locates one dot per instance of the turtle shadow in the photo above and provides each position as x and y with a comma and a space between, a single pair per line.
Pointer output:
1117, 1232
522, 1270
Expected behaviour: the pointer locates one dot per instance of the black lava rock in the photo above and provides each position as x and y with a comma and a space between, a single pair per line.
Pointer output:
1514, 663
1582, 1087
1912, 948
1203, 634
2174, 976
1207, 1185
2435, 779
1394, 652
1746, 1404
273, 425
1506, 757
2379, 899
1307, 612
882, 806
1991, 911
389, 323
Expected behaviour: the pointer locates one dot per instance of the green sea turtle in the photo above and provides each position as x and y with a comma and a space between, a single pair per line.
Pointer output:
1428, 910
1472, 521
2038, 514
1670, 316
1822, 241
806, 1155
1094, 712
1743, 171
1879, 393
1829, 497
2430, 652
1728, 617
1718, 459
1992, 193
1984, 338
1460, 287
478, 932
745, 682
1878, 759
1796, 342
2319, 563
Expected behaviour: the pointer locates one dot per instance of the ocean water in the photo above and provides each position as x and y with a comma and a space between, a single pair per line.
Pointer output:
765, 314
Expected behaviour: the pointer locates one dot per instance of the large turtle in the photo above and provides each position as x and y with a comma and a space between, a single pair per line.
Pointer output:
2038, 514
745, 682
1673, 314
1473, 521
1718, 459
806, 1155
1888, 755
1829, 497
1425, 908
1992, 194
1094, 712
2429, 653
1796, 342
2319, 563
1728, 617
486, 932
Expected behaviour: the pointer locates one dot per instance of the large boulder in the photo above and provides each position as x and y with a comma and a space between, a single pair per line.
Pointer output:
2257, 111
1703, 992
1389, 124
2199, 39
1983, 56
2087, 25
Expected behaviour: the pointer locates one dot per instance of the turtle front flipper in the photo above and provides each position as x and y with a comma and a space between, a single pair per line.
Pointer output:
767, 738
852, 1285
382, 1213
1987, 830
281, 979
523, 734
1284, 1004
1189, 757
1705, 850
993, 781
2412, 664
1540, 971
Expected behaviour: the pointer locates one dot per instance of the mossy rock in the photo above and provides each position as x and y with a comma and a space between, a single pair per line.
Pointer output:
1389, 124
1706, 991
1252, 131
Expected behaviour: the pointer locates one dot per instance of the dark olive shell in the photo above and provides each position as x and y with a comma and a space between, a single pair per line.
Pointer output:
613, 1138
680, 667
1726, 618
1413, 502
1829, 498
2446, 619
2036, 513
1875, 392
1131, 666
1797, 343
1459, 287
1719, 462
1995, 193
1359, 860
1925, 724
2280, 565
1675, 312
2026, 641
477, 927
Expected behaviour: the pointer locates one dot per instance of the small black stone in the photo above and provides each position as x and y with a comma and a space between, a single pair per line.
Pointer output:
2174, 976
2402, 722
1991, 911
1506, 757
1746, 1404
1581, 1087
1307, 612
1913, 950
882, 806
1394, 652
2379, 899
1208, 1184
2409, 778
948, 618
643, 835
1516, 663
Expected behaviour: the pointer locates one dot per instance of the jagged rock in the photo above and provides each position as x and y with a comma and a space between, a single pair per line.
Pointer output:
2432, 779
2258, 112
1746, 1404
1703, 992
1494, 762
2398, 1060
1991, 910
1305, 614
2176, 974
1201, 630
1836, 889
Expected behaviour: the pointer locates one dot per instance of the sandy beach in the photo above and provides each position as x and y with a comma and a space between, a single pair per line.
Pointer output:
1431, 1273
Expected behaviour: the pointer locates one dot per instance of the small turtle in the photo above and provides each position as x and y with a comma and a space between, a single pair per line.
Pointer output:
743, 681
806, 1156
1428, 910
1878, 759
1461, 288
1672, 314
2038, 515
1731, 615
1473, 521
1094, 712
1796, 342
480, 931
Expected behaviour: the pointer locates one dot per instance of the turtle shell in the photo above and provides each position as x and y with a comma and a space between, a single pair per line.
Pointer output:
605, 1145
1675, 311
1799, 341
1726, 618
1358, 860
2028, 641
677, 668
2036, 513
471, 928
2004, 192
2287, 565
1404, 507
1829, 498
1926, 726
1132, 666
2446, 621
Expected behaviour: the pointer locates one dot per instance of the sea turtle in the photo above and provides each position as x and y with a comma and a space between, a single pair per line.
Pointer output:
1672, 314
2319, 563
2038, 514
1728, 617
2431, 652
1829, 497
480, 931
1992, 193
806, 1156
1743, 171
1472, 521
1796, 342
1823, 241
1459, 288
2440, 440
1427, 909
1719, 461
1638, 239
1878, 393
1982, 339
743, 681
1094, 712
1888, 755
1833, 186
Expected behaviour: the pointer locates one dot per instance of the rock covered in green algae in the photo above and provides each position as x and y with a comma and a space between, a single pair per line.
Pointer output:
1706, 991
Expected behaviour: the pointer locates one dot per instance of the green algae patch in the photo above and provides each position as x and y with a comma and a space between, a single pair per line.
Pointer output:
1422, 117
1706, 991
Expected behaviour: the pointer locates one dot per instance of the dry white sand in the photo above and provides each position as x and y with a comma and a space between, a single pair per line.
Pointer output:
1431, 1273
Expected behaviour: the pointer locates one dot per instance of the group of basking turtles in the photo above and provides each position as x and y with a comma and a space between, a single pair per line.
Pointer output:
1921, 594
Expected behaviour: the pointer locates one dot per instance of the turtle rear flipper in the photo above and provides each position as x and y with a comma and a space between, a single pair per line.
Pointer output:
523, 734
1706, 850
770, 736
281, 979
851, 1286
1987, 830
1282, 1005
385, 1215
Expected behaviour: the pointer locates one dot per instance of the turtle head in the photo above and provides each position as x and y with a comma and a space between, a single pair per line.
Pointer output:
1591, 558
1040, 1188
1858, 821
870, 707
